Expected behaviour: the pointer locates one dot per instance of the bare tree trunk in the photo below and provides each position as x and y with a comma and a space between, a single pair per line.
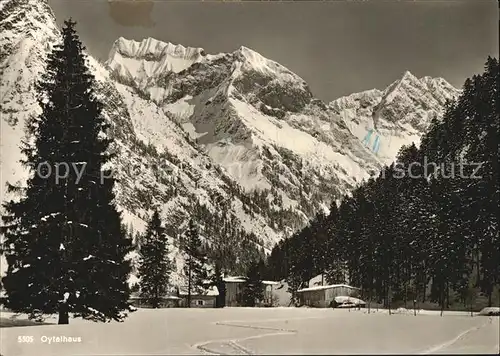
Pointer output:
389, 300
447, 296
189, 285
425, 288
442, 300
63, 306
157, 297
63, 313
478, 263
406, 295
369, 300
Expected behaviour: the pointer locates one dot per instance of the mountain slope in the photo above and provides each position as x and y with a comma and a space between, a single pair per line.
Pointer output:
399, 115
156, 165
253, 116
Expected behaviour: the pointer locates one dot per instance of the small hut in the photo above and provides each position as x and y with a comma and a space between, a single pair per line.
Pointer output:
234, 289
204, 299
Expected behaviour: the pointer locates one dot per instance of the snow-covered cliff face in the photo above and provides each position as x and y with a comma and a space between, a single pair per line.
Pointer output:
254, 117
398, 115
137, 61
27, 31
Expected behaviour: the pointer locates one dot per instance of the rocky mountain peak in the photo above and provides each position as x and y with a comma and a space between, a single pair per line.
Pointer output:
408, 76
138, 62
425, 88
254, 61
399, 114
168, 56
26, 16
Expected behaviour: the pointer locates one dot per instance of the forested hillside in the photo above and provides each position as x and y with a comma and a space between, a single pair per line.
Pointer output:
426, 227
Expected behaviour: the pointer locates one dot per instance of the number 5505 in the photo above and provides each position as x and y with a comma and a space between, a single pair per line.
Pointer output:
25, 339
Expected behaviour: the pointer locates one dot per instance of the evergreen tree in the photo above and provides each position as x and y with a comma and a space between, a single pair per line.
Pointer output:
319, 251
482, 128
335, 265
415, 209
154, 264
218, 282
253, 290
196, 262
64, 241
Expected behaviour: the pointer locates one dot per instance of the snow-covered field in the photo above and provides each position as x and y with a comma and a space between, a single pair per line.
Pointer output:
260, 331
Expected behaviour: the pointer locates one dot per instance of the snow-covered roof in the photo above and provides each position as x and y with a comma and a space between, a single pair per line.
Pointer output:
242, 279
210, 291
172, 297
317, 280
330, 286
272, 283
234, 279
136, 295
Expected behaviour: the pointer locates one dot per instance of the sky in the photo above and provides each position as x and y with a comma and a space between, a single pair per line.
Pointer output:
337, 47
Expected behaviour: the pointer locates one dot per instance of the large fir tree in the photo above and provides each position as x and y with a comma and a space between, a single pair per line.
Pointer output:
64, 242
253, 290
217, 280
195, 268
154, 264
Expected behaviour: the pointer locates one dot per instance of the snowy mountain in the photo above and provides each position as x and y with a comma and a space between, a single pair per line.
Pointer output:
398, 115
261, 122
252, 116
234, 139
